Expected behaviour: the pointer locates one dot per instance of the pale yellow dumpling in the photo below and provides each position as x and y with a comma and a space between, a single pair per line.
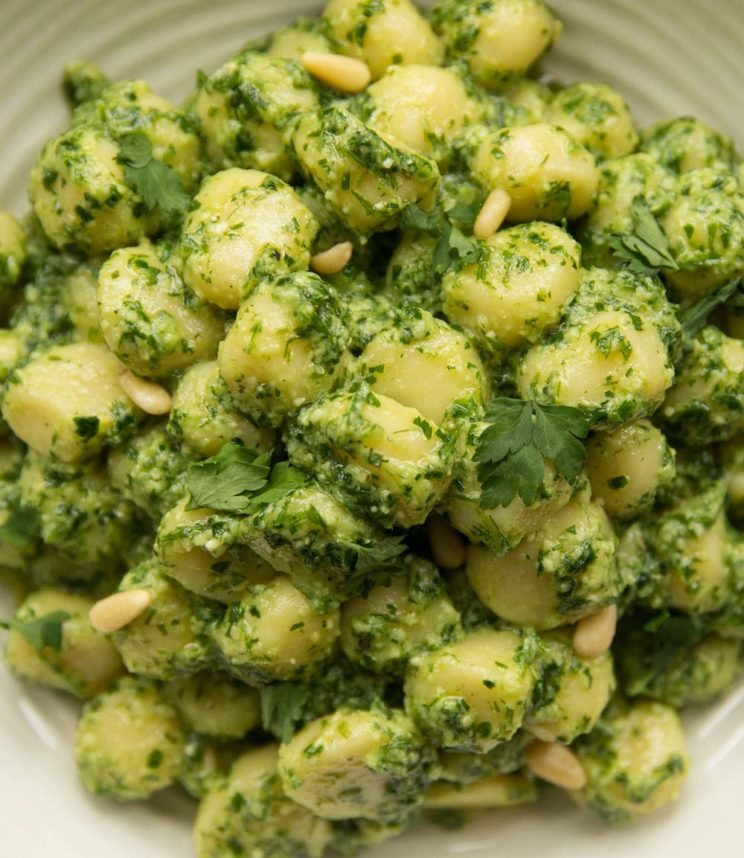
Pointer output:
67, 402
519, 287
547, 173
246, 225
422, 106
385, 33
498, 40
627, 466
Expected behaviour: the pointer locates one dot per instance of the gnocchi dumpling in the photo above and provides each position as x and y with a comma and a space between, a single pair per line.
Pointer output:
382, 455
422, 106
627, 467
149, 318
204, 416
79, 188
244, 108
635, 761
246, 225
166, 640
706, 403
598, 117
85, 663
248, 809
473, 694
287, 346
129, 742
518, 289
564, 572
75, 420
498, 40
356, 763
612, 355
547, 173
274, 633
367, 178
424, 363
383, 34
387, 627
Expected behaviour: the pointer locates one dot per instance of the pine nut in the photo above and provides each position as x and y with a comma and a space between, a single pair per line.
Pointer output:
492, 214
334, 259
555, 764
447, 546
593, 635
150, 397
340, 72
118, 610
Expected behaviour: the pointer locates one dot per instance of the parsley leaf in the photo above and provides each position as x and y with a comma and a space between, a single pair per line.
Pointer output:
646, 248
414, 218
22, 526
370, 564
453, 247
282, 479
694, 317
40, 632
512, 450
282, 708
239, 480
153, 180
224, 481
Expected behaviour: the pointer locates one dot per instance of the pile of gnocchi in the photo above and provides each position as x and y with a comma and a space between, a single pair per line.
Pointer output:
373, 431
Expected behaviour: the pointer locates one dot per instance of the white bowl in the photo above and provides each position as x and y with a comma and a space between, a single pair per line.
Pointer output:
668, 57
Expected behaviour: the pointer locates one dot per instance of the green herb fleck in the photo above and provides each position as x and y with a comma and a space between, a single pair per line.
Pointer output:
22, 526
87, 427
40, 632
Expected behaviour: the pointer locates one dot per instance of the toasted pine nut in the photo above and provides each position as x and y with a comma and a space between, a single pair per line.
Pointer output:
593, 635
492, 214
555, 764
150, 397
340, 72
334, 259
447, 546
118, 610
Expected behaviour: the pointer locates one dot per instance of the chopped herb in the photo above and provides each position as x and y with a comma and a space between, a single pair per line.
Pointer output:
153, 180
453, 247
645, 249
22, 526
378, 557
87, 427
40, 632
512, 451
618, 482
693, 318
423, 426
239, 480
282, 708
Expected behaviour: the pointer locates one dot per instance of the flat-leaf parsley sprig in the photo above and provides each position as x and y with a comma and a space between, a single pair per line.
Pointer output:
512, 451
239, 480
40, 632
153, 180
645, 249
